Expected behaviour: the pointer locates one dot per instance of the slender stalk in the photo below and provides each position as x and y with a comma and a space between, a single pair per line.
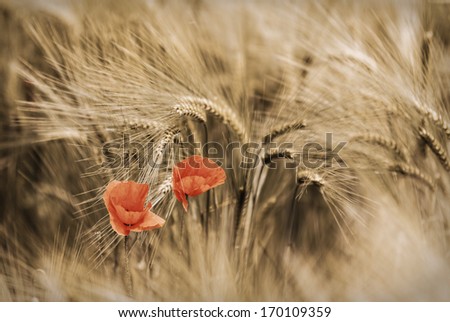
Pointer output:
292, 217
206, 219
128, 279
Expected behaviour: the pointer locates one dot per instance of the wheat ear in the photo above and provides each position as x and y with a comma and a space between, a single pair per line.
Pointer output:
278, 154
189, 104
381, 141
190, 109
139, 124
305, 177
436, 147
168, 137
166, 186
439, 121
409, 170
283, 129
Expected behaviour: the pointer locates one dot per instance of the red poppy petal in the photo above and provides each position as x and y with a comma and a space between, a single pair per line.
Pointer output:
216, 177
130, 195
176, 174
107, 195
189, 166
129, 217
194, 185
151, 221
181, 197
195, 175
118, 227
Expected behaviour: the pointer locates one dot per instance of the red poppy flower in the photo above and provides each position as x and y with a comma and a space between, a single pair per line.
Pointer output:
195, 175
125, 203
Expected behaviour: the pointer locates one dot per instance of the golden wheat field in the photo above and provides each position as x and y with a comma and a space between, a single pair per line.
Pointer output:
326, 125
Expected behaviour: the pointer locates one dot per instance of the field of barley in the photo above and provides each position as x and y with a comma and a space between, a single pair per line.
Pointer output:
325, 124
